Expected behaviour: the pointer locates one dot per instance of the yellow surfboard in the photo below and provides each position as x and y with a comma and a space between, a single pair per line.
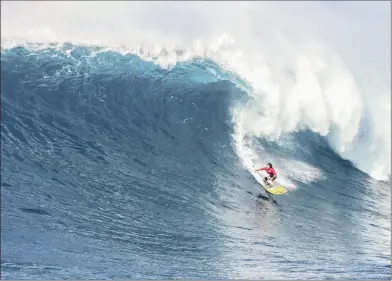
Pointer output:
278, 190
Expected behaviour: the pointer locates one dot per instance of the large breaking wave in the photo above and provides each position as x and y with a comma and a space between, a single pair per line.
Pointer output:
312, 81
135, 150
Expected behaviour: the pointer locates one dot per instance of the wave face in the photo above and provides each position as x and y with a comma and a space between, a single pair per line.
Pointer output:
113, 167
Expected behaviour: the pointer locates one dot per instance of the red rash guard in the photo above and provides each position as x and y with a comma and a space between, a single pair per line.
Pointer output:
270, 171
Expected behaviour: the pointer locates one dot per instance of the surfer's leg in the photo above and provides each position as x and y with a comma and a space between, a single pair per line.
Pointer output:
267, 181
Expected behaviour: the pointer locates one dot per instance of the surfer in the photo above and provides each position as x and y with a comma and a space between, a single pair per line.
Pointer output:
270, 171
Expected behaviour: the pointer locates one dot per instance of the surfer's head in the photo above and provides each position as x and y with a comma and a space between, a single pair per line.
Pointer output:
269, 165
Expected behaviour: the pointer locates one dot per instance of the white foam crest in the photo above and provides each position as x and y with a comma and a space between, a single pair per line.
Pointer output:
316, 91
320, 65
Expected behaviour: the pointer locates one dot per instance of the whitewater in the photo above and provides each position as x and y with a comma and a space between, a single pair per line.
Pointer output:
130, 132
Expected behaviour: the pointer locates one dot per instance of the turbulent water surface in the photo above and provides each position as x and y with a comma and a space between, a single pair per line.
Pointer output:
113, 167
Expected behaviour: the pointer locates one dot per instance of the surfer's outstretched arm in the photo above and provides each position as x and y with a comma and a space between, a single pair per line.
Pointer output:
262, 169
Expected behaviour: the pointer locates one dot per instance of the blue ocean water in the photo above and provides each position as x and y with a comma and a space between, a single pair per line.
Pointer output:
113, 167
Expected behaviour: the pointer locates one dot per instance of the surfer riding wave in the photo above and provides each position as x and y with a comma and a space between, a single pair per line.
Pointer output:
271, 173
